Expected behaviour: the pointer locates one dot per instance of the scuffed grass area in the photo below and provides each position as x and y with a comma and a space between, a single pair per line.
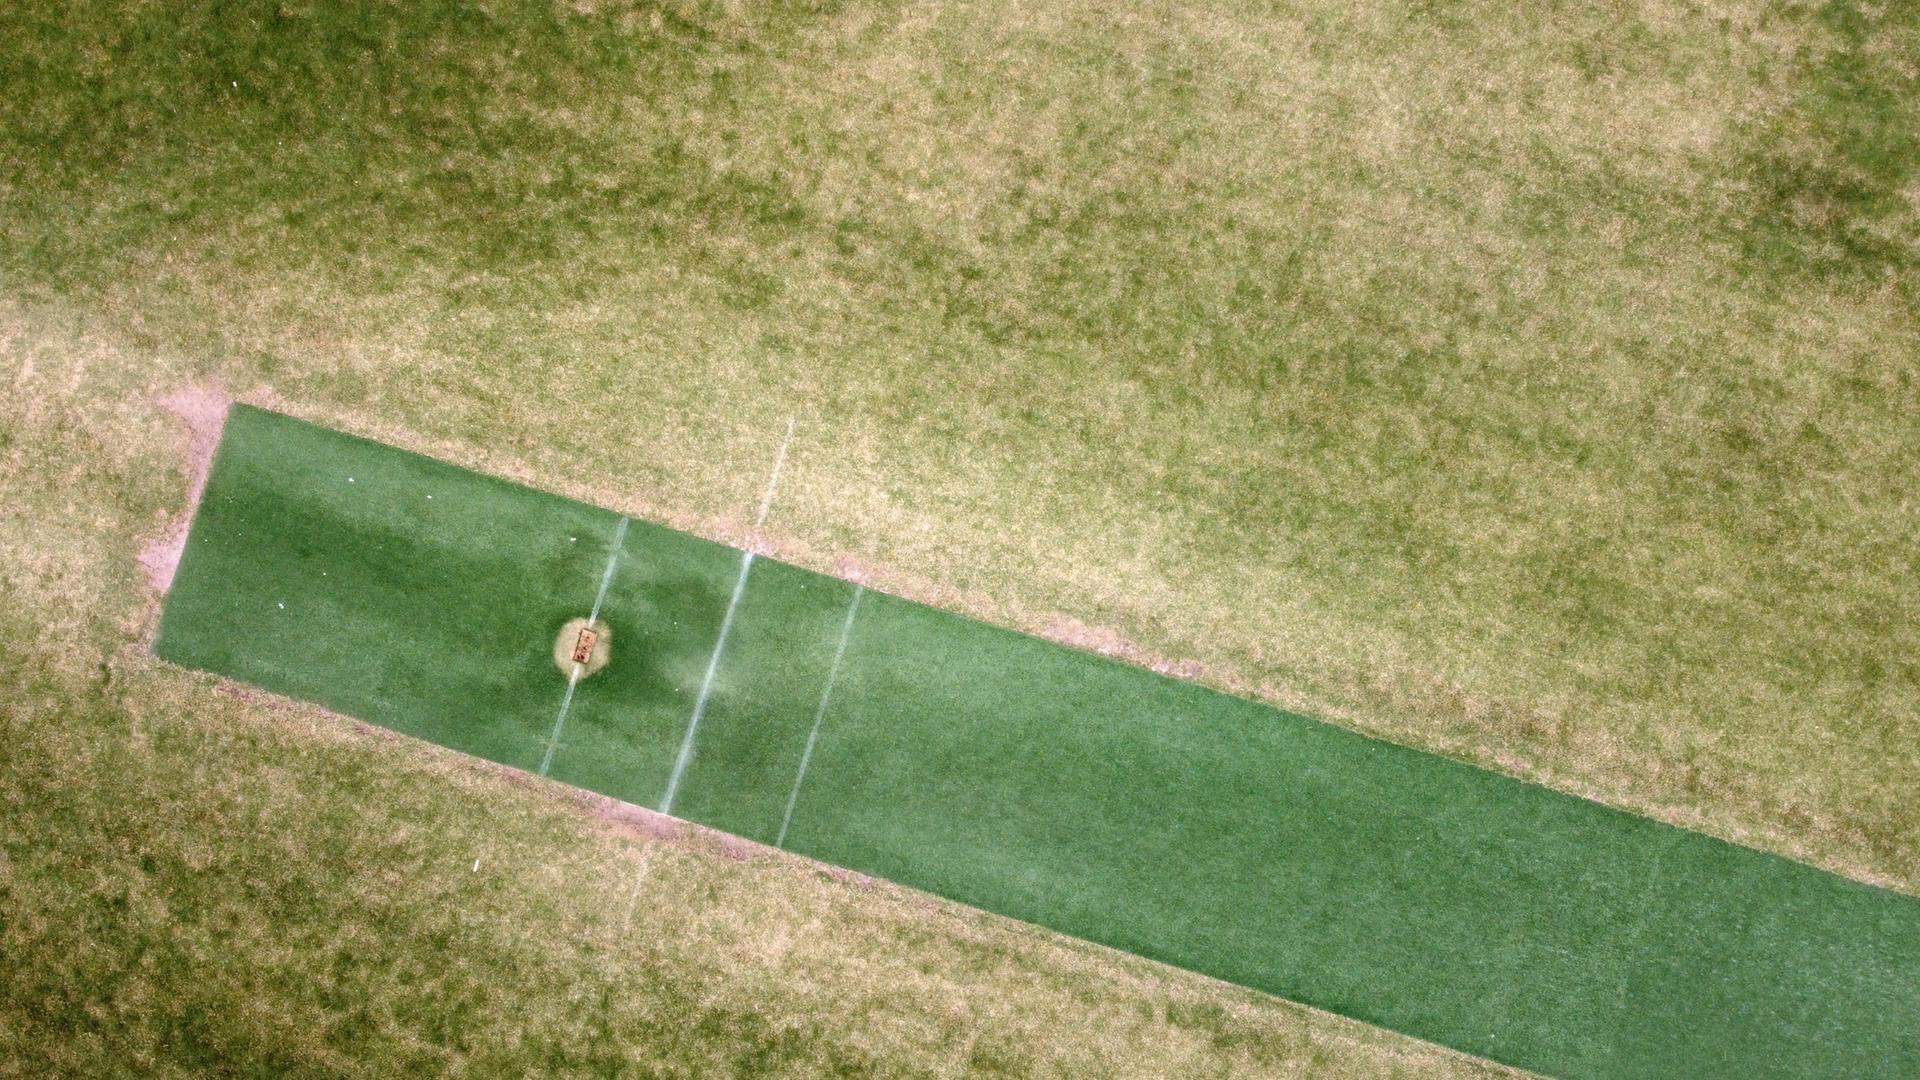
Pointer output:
1535, 386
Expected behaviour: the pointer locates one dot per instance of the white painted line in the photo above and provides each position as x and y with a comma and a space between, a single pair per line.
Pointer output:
560, 721
573, 678
606, 576
813, 736
685, 757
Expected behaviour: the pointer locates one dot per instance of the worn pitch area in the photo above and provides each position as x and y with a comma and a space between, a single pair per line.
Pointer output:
1029, 779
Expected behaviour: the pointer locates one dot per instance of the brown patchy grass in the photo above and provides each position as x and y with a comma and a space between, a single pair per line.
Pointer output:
568, 637
1530, 387
202, 411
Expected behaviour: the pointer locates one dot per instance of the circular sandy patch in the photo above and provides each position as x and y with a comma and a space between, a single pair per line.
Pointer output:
568, 640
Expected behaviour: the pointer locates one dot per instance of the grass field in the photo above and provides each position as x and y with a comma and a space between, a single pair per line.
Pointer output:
1530, 386
1032, 780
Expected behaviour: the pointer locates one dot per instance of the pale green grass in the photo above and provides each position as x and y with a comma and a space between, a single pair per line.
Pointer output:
1535, 386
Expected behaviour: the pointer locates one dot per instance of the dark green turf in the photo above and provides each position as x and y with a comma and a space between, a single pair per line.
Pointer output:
1037, 781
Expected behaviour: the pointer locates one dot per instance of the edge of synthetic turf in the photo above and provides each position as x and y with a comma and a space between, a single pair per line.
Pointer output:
741, 847
651, 826
238, 406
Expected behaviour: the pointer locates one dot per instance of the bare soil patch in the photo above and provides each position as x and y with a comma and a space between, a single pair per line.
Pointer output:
599, 646
1108, 642
203, 409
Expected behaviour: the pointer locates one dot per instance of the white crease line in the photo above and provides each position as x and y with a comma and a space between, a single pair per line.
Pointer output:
560, 721
573, 678
706, 687
685, 757
846, 631
606, 576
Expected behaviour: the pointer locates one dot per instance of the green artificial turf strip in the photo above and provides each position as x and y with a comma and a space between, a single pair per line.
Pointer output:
1387, 884
1041, 782
361, 566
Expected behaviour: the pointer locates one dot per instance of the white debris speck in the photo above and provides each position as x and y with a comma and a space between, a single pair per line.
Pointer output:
429, 496
571, 539
349, 479
283, 607
476, 866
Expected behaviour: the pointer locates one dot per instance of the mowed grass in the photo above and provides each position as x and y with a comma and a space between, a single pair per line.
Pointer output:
1530, 385
1033, 780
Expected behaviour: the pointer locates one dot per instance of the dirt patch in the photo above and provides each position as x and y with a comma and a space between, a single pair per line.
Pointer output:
203, 409
598, 646
1109, 642
908, 586
1103, 640
627, 817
